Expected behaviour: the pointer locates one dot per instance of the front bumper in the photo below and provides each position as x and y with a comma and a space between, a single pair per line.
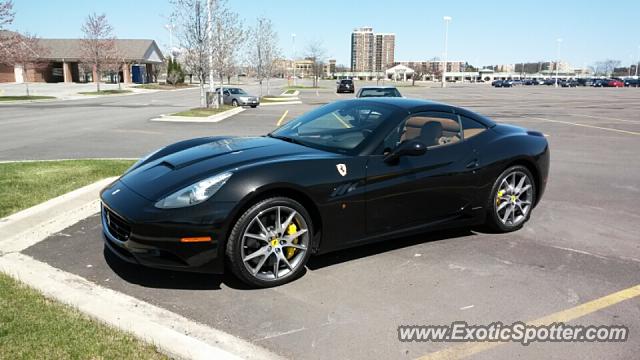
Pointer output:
137, 232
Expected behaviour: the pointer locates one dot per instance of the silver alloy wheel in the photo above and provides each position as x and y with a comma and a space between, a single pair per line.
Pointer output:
269, 252
514, 198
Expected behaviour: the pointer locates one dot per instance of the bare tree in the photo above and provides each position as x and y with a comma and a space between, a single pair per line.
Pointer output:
6, 39
263, 51
25, 51
606, 67
114, 64
98, 44
316, 53
191, 19
228, 34
6, 13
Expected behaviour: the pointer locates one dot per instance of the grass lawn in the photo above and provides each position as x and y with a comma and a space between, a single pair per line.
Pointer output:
204, 112
34, 327
290, 91
14, 98
163, 86
27, 184
104, 92
276, 99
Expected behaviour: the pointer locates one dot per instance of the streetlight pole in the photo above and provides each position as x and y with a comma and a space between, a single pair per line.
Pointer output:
559, 41
170, 27
293, 57
446, 19
638, 63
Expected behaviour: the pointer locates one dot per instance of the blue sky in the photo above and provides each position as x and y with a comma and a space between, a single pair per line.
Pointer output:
487, 32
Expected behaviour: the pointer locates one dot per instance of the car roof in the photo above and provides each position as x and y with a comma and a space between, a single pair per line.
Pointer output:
377, 87
417, 105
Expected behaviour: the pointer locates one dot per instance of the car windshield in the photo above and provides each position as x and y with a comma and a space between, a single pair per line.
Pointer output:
237, 91
337, 127
373, 92
346, 82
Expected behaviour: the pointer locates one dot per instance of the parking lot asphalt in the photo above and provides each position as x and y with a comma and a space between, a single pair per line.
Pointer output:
581, 244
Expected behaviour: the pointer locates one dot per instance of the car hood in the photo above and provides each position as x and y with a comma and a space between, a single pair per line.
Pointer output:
167, 174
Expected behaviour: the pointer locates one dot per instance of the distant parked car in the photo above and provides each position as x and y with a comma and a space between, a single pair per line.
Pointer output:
585, 82
614, 83
516, 82
529, 82
632, 83
496, 83
600, 83
569, 83
550, 82
345, 85
507, 83
378, 91
238, 97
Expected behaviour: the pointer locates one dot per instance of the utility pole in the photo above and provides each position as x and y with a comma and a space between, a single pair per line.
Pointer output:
293, 57
210, 5
170, 27
447, 19
559, 41
638, 63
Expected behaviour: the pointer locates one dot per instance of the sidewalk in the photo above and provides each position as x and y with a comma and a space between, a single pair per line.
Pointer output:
65, 91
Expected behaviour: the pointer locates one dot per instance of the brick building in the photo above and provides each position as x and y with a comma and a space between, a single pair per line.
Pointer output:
63, 62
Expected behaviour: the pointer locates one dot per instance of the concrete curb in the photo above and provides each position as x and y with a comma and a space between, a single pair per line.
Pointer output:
171, 333
28, 227
193, 119
51, 160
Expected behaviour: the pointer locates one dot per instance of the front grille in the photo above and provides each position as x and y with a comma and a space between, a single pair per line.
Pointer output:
117, 226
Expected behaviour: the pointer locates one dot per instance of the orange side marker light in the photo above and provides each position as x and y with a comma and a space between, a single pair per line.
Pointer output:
195, 239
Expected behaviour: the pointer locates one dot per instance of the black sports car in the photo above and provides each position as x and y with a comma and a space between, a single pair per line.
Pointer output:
345, 174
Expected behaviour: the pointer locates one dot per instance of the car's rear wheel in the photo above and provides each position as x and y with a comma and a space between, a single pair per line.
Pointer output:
234, 102
270, 243
511, 199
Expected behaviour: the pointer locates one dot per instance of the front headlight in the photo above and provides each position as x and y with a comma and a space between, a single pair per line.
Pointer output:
194, 194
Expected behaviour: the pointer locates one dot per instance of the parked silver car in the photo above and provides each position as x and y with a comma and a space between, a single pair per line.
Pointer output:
378, 91
238, 97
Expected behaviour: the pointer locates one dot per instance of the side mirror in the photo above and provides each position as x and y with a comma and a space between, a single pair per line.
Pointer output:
407, 148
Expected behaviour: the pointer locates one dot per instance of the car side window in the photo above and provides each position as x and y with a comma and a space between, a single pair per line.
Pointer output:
432, 130
470, 127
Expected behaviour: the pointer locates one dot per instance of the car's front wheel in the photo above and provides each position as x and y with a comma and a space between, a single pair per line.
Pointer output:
270, 243
234, 103
511, 199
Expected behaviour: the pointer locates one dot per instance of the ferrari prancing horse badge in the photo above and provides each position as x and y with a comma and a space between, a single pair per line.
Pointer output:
342, 169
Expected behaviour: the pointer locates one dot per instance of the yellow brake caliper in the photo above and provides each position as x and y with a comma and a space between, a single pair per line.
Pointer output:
292, 229
500, 193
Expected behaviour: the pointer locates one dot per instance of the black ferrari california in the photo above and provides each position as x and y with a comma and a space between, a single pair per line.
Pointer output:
345, 174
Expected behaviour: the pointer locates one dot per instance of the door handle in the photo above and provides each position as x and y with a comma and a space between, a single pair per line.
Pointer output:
472, 164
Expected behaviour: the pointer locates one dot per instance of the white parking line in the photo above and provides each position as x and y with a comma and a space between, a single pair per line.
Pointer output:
587, 126
606, 117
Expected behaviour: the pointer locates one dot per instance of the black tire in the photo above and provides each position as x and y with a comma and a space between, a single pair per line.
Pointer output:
234, 243
493, 221
234, 102
254, 106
